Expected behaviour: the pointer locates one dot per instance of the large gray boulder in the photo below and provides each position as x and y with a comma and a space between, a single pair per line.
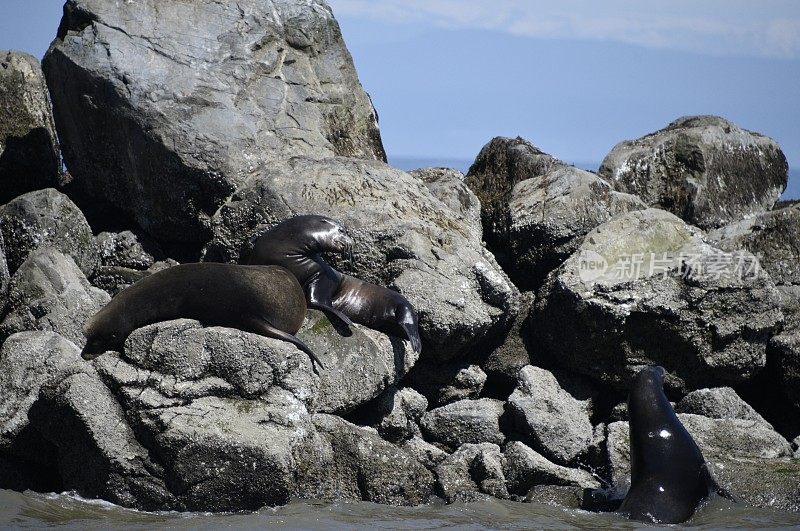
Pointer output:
447, 382
396, 414
46, 218
404, 238
645, 289
556, 423
500, 165
49, 292
465, 422
447, 185
358, 367
703, 169
29, 156
549, 215
166, 107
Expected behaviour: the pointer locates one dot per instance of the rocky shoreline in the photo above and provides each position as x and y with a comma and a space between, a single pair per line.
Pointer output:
188, 128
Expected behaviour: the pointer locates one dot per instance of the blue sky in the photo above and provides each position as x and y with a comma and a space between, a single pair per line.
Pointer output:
573, 76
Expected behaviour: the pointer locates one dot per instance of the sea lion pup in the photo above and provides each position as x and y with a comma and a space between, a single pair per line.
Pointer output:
264, 300
669, 476
296, 244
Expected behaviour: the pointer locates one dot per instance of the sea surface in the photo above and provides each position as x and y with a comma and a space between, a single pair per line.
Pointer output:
65, 511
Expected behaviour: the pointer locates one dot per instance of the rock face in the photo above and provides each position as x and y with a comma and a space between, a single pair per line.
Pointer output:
49, 292
204, 93
703, 169
465, 422
46, 218
645, 289
549, 215
396, 414
29, 361
405, 239
29, 156
553, 420
447, 185
5, 276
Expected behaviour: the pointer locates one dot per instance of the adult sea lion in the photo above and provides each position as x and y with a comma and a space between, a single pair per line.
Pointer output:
264, 300
297, 243
669, 476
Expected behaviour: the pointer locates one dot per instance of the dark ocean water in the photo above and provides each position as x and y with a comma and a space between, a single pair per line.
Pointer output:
37, 511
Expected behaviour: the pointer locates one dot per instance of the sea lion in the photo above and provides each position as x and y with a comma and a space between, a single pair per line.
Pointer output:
669, 476
297, 243
264, 300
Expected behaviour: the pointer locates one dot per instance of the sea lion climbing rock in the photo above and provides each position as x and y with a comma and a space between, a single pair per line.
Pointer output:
296, 244
265, 300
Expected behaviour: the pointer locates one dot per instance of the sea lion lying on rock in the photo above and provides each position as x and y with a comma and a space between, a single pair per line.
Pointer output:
264, 300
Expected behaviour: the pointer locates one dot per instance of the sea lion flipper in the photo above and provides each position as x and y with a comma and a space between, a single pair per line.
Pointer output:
330, 310
265, 329
412, 333
715, 487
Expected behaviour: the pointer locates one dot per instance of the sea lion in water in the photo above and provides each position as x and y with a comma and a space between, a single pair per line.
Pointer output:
264, 300
296, 244
669, 476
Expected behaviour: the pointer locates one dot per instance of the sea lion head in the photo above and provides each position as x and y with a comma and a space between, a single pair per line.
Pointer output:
328, 235
100, 336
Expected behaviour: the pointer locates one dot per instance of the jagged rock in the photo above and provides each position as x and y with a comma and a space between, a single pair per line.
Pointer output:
722, 441
113, 279
796, 446
358, 367
703, 169
554, 421
526, 468
425, 452
46, 218
504, 361
126, 249
362, 466
718, 403
28, 362
205, 93
500, 165
29, 156
98, 452
773, 236
768, 483
49, 292
644, 289
447, 185
396, 414
445, 382
404, 238
5, 276
465, 422
471, 470
556, 496
548, 217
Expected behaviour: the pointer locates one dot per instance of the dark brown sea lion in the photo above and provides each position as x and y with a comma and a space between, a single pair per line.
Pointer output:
264, 300
297, 244
669, 476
